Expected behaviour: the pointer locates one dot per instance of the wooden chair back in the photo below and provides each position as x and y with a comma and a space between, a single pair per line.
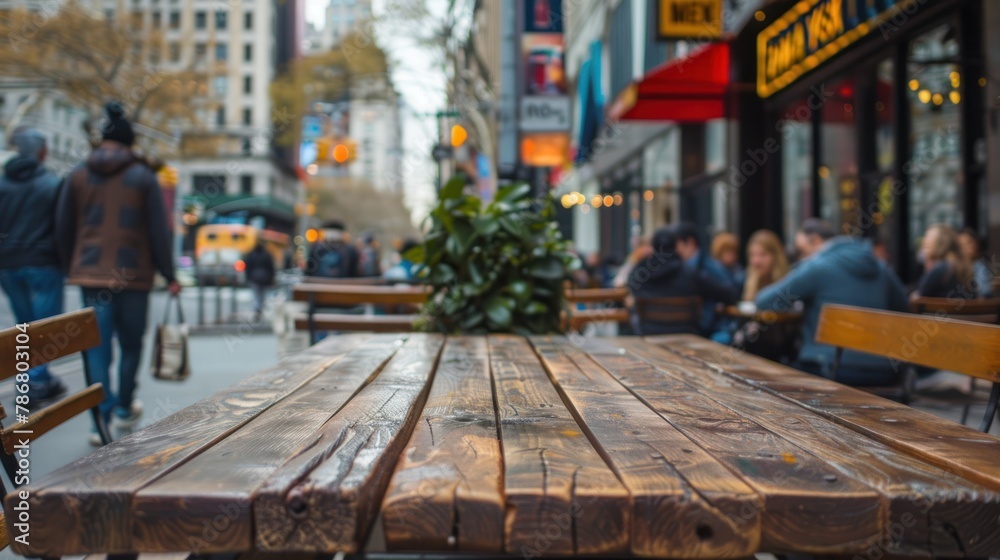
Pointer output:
668, 310
326, 295
607, 296
965, 347
26, 346
978, 310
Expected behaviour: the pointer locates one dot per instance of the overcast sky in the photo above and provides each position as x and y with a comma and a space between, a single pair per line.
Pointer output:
421, 84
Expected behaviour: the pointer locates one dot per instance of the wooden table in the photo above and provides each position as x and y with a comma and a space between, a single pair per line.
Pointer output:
668, 447
764, 316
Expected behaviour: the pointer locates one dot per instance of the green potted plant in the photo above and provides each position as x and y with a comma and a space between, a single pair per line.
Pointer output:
499, 267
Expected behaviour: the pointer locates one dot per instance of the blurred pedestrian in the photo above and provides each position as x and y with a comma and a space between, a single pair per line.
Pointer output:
726, 250
972, 250
369, 264
689, 249
841, 270
260, 273
766, 264
641, 251
404, 269
664, 274
30, 272
947, 273
333, 256
112, 230
811, 237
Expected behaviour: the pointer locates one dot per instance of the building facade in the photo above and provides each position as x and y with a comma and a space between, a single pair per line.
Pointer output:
342, 18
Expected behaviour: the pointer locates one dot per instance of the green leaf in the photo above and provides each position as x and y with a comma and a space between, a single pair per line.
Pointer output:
453, 189
549, 268
472, 321
513, 192
520, 289
536, 308
415, 254
485, 225
498, 312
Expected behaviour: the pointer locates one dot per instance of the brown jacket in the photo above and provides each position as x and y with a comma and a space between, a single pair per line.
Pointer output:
111, 224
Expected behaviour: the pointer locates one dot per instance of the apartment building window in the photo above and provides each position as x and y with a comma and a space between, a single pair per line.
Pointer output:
175, 52
200, 20
209, 186
246, 184
247, 146
221, 52
157, 20
248, 21
219, 85
248, 84
248, 116
220, 116
247, 52
175, 20
200, 51
221, 20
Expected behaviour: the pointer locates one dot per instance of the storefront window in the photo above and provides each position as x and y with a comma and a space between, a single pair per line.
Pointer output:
838, 164
935, 168
796, 166
884, 210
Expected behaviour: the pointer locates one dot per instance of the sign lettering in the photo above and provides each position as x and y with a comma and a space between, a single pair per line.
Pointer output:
690, 19
813, 31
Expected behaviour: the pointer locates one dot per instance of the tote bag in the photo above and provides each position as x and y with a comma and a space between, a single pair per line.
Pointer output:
170, 351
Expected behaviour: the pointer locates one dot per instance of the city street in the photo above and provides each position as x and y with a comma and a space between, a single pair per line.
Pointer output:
218, 359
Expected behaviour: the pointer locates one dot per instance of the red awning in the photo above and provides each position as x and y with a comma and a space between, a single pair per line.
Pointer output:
690, 89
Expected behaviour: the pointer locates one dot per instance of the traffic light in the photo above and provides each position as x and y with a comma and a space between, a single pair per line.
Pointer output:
345, 152
324, 147
458, 135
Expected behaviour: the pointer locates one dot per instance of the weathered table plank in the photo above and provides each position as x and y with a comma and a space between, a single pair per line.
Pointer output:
446, 493
685, 503
561, 496
930, 511
809, 506
85, 506
325, 498
949, 445
184, 507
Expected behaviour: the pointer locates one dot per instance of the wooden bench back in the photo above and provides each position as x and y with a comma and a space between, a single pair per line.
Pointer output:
680, 310
596, 295
325, 295
961, 346
48, 340
978, 310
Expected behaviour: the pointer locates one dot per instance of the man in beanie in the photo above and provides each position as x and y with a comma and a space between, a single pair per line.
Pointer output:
29, 264
112, 230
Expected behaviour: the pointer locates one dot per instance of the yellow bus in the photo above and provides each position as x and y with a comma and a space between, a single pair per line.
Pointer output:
241, 239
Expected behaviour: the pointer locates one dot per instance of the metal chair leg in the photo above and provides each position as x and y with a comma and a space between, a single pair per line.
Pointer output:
991, 409
968, 404
95, 413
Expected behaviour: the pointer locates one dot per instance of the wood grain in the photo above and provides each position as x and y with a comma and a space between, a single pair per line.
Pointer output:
325, 295
596, 295
85, 506
561, 496
49, 339
204, 505
685, 503
52, 416
809, 506
930, 512
936, 342
348, 322
949, 445
325, 498
446, 493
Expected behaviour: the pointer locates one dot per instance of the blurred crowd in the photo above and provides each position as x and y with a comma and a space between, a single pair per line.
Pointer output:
827, 269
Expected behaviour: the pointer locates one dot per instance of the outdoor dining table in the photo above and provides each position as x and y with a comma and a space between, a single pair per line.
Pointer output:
529, 446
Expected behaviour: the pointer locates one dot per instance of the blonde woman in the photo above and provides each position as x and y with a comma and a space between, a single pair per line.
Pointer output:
947, 273
766, 262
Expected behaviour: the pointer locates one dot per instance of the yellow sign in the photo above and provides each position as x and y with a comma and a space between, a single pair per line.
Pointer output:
813, 31
690, 19
545, 149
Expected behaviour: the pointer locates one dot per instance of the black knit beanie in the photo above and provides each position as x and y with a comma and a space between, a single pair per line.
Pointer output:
117, 127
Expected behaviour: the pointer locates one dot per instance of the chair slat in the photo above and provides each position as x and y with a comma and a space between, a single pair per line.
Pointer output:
325, 295
969, 348
48, 340
359, 323
52, 416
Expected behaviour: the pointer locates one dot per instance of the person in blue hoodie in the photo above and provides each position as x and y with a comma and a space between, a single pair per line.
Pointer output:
664, 274
845, 271
30, 269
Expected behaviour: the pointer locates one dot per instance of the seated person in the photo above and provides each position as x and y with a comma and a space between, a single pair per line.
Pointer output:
972, 249
715, 327
726, 250
663, 274
841, 271
947, 274
766, 264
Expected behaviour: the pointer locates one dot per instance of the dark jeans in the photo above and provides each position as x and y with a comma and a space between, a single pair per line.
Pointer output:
35, 292
123, 315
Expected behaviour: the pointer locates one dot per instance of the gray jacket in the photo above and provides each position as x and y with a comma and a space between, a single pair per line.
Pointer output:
28, 192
